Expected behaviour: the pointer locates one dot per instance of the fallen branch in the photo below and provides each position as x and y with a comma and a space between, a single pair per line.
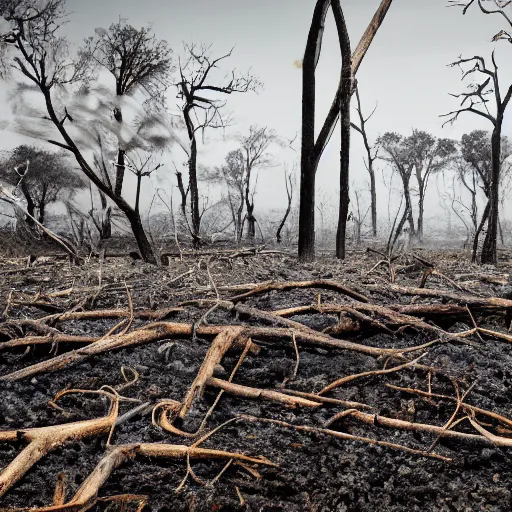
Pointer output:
220, 345
323, 284
347, 437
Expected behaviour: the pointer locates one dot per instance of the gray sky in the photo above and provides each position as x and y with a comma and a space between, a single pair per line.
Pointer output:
405, 70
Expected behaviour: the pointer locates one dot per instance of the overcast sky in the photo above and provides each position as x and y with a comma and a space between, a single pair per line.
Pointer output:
405, 71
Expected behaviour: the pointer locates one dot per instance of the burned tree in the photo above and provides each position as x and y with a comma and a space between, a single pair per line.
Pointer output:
288, 181
430, 155
312, 148
254, 147
399, 156
139, 63
475, 102
421, 154
371, 156
202, 109
41, 56
359, 215
474, 169
345, 96
232, 175
48, 177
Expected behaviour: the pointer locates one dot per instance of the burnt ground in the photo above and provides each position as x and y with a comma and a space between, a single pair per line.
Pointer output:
316, 472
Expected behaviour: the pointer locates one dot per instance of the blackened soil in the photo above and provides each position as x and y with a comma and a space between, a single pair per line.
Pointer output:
316, 472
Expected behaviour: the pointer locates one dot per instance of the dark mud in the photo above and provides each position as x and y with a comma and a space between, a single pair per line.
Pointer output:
316, 472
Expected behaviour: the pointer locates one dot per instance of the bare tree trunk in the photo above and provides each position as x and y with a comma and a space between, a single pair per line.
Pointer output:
137, 193
146, 251
311, 152
308, 165
31, 207
485, 215
346, 80
408, 203
421, 209
194, 192
120, 168
489, 249
373, 193
251, 223
288, 209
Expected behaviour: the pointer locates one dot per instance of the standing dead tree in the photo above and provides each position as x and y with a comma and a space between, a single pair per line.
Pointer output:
430, 155
474, 169
42, 57
359, 215
312, 147
254, 147
232, 175
371, 155
347, 81
400, 158
475, 101
202, 110
46, 180
138, 62
288, 181
422, 154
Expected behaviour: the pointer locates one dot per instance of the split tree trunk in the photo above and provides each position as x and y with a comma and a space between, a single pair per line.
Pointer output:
311, 152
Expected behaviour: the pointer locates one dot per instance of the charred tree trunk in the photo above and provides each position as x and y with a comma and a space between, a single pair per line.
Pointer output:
145, 249
120, 165
251, 223
308, 163
31, 207
194, 192
311, 151
289, 193
485, 215
489, 248
346, 80
408, 203
421, 209
249, 205
373, 193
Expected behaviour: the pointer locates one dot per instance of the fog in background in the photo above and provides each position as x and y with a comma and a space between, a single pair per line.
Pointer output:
405, 73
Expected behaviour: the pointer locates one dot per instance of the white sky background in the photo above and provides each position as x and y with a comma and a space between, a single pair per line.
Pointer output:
405, 71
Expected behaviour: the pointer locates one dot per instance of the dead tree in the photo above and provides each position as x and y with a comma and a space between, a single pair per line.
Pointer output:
202, 109
142, 165
474, 168
288, 181
42, 58
47, 178
400, 158
359, 215
430, 155
254, 147
232, 175
467, 175
311, 147
475, 101
138, 62
345, 96
371, 156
